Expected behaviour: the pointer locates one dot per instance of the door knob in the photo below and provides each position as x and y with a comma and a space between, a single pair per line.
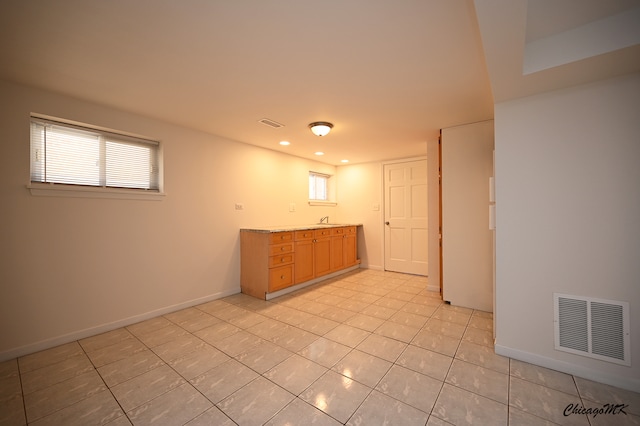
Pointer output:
386, 223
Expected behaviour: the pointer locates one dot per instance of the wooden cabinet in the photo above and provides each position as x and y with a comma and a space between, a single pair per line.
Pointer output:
272, 261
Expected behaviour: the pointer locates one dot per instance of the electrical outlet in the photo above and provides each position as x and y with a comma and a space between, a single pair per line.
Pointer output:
292, 207
239, 206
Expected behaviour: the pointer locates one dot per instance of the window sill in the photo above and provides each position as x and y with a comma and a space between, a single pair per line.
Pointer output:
322, 203
72, 191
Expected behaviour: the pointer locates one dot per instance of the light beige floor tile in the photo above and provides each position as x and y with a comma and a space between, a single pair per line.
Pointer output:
481, 323
461, 407
256, 402
226, 313
198, 361
217, 332
425, 361
237, 343
98, 409
192, 319
120, 421
330, 299
247, 319
379, 408
334, 313
378, 312
419, 309
347, 335
318, 325
50, 375
49, 356
362, 367
325, 352
436, 342
448, 315
480, 337
388, 302
614, 417
221, 381
212, 417
449, 329
127, 368
480, 380
410, 319
214, 306
364, 322
12, 409
295, 374
410, 387
403, 333
270, 329
543, 402
313, 307
116, 352
175, 407
434, 421
263, 356
148, 326
365, 298
483, 356
109, 338
382, 347
605, 394
543, 376
352, 305
9, 368
336, 395
145, 387
298, 412
162, 335
294, 339
43, 402
520, 418
179, 347
403, 296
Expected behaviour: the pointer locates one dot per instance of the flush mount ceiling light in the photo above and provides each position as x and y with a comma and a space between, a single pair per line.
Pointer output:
320, 128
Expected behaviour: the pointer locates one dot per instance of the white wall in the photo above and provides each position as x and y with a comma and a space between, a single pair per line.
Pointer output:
71, 267
568, 217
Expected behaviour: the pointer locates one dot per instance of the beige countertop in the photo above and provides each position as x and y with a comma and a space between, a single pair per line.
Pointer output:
284, 228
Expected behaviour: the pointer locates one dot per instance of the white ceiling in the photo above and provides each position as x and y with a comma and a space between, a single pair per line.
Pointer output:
387, 74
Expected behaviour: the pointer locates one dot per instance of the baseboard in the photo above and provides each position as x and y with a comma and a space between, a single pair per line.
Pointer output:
103, 328
435, 288
569, 368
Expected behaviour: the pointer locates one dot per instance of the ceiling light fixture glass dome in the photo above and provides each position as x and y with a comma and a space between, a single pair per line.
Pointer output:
320, 128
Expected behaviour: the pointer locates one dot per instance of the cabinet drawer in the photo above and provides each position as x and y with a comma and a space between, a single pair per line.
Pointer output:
280, 277
279, 260
320, 233
280, 237
280, 249
350, 230
306, 234
338, 231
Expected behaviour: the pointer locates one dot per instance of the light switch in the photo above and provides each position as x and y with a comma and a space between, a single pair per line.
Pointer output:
239, 206
292, 207
376, 207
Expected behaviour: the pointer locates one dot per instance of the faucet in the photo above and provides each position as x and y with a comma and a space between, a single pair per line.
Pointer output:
322, 219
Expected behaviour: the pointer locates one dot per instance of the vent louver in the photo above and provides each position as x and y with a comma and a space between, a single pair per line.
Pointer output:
270, 123
594, 328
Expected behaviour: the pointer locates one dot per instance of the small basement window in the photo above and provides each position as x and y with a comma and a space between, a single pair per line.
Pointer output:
75, 156
318, 186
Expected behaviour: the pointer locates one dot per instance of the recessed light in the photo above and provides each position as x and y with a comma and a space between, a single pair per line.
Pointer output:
319, 153
344, 161
285, 143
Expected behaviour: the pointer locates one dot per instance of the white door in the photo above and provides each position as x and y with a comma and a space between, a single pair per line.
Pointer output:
405, 212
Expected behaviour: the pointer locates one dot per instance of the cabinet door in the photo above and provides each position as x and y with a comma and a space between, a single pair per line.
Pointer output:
337, 252
303, 261
350, 250
322, 256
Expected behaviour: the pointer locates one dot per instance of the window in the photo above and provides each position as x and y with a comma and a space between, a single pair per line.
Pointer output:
318, 186
63, 153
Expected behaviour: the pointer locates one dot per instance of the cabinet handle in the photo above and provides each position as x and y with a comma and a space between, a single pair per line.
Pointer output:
281, 248
282, 260
282, 277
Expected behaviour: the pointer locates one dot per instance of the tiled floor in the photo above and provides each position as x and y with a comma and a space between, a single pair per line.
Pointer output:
367, 348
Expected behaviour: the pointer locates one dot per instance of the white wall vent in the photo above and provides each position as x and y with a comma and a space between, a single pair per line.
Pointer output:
595, 328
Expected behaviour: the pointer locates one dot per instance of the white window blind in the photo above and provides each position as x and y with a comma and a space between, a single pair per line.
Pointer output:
318, 186
74, 155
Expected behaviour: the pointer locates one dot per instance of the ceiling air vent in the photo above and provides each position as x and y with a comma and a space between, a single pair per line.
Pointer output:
270, 123
591, 327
